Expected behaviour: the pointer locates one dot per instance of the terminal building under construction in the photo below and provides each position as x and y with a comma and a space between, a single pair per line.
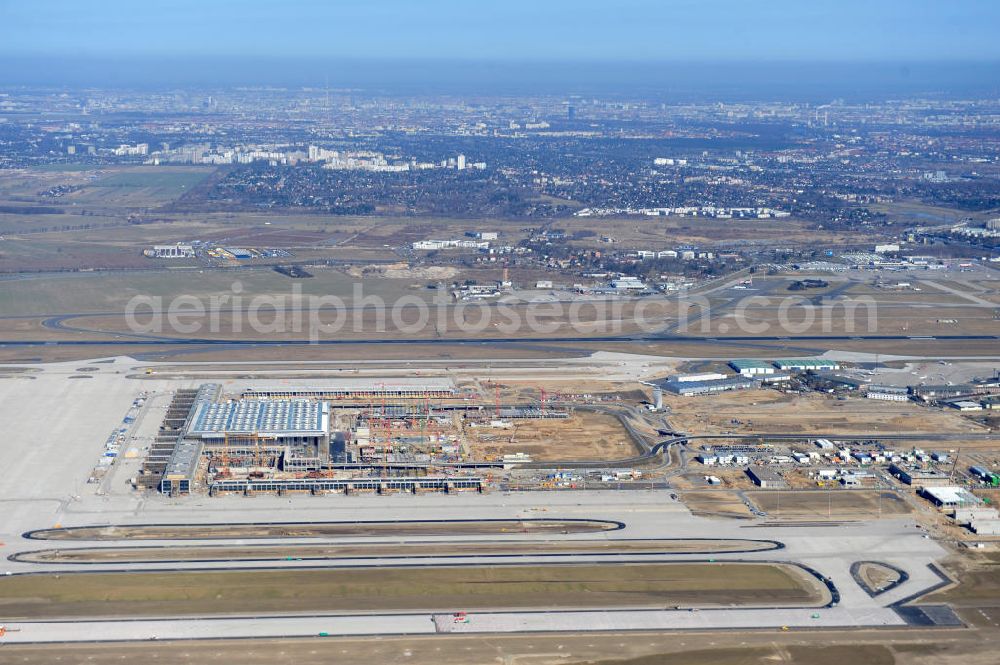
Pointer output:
283, 439
359, 389
297, 424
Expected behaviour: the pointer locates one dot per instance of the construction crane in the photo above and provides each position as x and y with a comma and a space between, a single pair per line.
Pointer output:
225, 451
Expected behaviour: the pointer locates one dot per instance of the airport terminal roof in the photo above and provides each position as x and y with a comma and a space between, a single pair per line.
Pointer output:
247, 416
183, 461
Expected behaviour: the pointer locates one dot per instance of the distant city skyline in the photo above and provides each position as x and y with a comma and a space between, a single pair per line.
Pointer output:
511, 31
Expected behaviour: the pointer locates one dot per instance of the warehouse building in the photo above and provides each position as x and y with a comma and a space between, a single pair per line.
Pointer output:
921, 477
749, 367
949, 496
704, 376
930, 393
974, 513
177, 251
706, 387
888, 393
985, 527
766, 478
805, 364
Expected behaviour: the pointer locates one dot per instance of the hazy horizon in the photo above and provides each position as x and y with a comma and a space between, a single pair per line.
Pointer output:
515, 30
804, 81
783, 49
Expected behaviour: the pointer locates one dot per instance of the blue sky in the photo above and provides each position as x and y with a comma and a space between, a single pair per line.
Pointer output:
526, 30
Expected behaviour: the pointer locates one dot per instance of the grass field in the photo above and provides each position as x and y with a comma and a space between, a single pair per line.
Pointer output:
74, 293
391, 589
157, 177
276, 553
877, 576
762, 648
140, 186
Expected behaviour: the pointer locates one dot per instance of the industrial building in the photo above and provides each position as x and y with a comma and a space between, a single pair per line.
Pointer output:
966, 515
949, 496
749, 367
766, 478
985, 475
888, 393
706, 387
985, 527
921, 477
628, 284
178, 251
704, 376
806, 364
929, 393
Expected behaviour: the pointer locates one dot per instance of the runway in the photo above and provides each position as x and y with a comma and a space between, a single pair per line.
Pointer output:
428, 623
467, 341
829, 550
